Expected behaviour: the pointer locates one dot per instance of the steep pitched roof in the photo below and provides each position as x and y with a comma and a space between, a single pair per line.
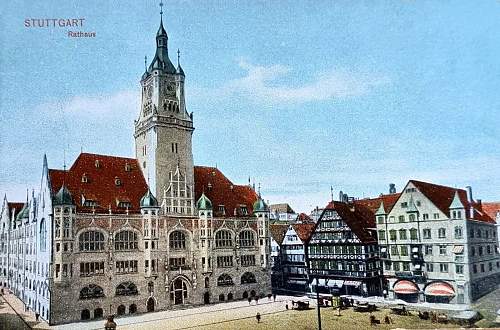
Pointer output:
302, 217
221, 191
357, 216
278, 232
491, 209
101, 172
304, 230
442, 198
373, 204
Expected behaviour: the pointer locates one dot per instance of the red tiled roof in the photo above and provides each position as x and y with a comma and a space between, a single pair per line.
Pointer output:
302, 217
373, 204
100, 185
14, 207
304, 230
491, 209
357, 216
278, 232
221, 191
442, 196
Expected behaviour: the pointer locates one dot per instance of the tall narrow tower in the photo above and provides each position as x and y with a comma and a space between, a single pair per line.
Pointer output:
163, 132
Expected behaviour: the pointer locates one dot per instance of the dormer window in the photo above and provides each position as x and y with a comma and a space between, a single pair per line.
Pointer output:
127, 167
85, 178
118, 182
222, 209
97, 163
90, 203
124, 205
243, 210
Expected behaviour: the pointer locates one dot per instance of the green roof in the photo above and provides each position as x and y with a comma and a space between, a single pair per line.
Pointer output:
24, 213
260, 206
63, 197
148, 200
204, 203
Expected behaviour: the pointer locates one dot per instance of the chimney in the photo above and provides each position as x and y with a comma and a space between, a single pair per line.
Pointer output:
392, 188
469, 194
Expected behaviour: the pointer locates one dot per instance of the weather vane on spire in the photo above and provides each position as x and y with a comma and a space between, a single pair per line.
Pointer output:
161, 9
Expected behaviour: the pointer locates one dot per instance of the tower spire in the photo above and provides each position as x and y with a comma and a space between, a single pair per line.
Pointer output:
161, 10
178, 57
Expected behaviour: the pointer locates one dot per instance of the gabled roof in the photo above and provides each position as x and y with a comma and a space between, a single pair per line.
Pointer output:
302, 217
359, 217
221, 191
304, 230
373, 204
278, 232
442, 197
101, 172
491, 209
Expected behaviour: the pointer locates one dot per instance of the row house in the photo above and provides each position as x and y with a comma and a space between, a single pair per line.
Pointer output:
342, 250
437, 245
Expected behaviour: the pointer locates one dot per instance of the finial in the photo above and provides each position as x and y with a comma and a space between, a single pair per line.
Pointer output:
161, 9
259, 189
178, 57
331, 192
145, 63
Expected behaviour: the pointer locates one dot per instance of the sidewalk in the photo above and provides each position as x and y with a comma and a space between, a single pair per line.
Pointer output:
15, 308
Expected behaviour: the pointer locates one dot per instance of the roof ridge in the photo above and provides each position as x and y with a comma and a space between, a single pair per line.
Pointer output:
436, 185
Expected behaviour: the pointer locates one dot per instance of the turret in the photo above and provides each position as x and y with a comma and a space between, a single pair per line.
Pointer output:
261, 212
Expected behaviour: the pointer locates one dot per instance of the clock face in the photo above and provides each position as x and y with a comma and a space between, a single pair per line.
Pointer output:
170, 89
149, 91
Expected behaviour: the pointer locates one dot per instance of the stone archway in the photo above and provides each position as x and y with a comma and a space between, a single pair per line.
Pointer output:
206, 298
179, 291
150, 305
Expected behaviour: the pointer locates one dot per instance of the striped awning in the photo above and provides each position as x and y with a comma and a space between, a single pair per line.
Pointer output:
442, 289
458, 249
405, 287
337, 283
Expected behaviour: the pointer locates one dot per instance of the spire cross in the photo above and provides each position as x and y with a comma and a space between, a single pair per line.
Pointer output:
161, 9
178, 57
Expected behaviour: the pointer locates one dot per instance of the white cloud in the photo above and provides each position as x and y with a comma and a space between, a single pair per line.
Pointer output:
123, 102
264, 84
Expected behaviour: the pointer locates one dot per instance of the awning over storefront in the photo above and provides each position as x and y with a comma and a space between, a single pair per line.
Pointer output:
322, 282
458, 249
337, 283
442, 289
405, 287
352, 283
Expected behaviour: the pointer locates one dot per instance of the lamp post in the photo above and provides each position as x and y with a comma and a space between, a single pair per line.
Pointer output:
317, 305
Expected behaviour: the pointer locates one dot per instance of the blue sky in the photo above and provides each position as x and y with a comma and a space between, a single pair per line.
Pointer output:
300, 95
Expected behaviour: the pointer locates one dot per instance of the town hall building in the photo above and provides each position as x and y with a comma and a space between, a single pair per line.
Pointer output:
117, 235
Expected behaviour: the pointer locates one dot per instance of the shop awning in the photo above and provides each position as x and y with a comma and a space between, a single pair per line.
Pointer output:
405, 287
322, 282
337, 283
439, 289
352, 283
458, 249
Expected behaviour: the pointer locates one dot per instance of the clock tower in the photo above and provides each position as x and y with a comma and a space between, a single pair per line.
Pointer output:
163, 132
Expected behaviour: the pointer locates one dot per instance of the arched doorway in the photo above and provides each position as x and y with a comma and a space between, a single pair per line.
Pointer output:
245, 295
98, 313
252, 293
178, 291
221, 297
85, 314
150, 305
132, 309
206, 298
230, 296
120, 310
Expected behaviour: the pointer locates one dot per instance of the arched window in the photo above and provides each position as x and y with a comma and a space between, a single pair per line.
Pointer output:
207, 282
221, 297
126, 240
151, 287
230, 296
225, 280
98, 312
43, 235
91, 241
132, 309
248, 278
85, 315
126, 289
246, 238
91, 291
177, 240
120, 310
223, 238
178, 291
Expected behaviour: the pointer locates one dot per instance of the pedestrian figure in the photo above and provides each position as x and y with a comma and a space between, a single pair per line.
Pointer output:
249, 300
258, 317
274, 297
286, 306
338, 311
269, 297
387, 320
37, 316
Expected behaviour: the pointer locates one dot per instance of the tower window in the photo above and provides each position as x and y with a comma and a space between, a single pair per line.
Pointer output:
97, 163
174, 147
127, 167
118, 182
85, 179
